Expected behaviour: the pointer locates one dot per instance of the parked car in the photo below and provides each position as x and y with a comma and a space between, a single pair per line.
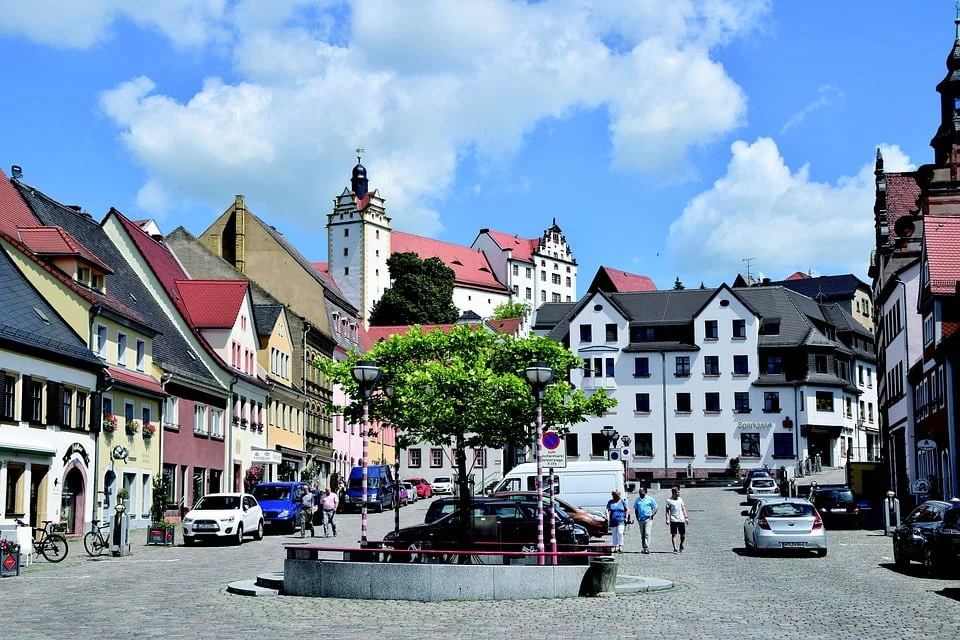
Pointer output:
280, 502
516, 523
402, 496
750, 475
442, 507
836, 505
784, 524
442, 485
424, 490
411, 491
223, 516
928, 535
595, 523
761, 487
380, 488
584, 483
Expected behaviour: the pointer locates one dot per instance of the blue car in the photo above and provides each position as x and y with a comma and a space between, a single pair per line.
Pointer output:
280, 502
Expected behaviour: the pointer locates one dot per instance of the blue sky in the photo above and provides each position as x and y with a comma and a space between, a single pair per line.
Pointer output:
667, 137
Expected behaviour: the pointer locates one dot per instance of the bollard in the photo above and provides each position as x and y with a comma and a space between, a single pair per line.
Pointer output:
600, 578
891, 513
120, 534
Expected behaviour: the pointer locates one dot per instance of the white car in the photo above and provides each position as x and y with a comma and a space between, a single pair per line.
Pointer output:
783, 524
223, 515
442, 485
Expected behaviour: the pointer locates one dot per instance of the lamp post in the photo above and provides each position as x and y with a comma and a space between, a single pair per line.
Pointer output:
612, 435
366, 373
626, 443
391, 393
539, 375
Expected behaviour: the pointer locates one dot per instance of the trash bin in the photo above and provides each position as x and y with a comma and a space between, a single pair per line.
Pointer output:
600, 578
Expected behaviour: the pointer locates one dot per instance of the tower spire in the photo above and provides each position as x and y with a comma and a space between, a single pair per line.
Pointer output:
956, 20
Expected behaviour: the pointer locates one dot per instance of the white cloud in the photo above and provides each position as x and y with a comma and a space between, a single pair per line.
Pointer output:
761, 209
827, 95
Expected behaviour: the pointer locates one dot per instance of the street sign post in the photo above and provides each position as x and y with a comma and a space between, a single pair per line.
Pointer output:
554, 450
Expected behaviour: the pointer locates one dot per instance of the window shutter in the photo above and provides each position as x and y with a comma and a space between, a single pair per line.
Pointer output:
54, 403
26, 404
96, 411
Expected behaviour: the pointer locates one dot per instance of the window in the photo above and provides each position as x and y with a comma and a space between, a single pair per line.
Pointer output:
515, 289
848, 404
67, 398
573, 444
122, 349
611, 332
739, 329
529, 272
36, 401
96, 281
100, 346
81, 422
711, 365
106, 405
481, 458
528, 294
641, 367
200, 418
555, 278
598, 367
740, 366
684, 445
543, 276
825, 401
569, 282
543, 296
717, 445
216, 422
642, 402
145, 414
710, 330
711, 402
750, 445
683, 403
346, 271
782, 445
770, 328
6, 401
820, 364
141, 353
436, 458
599, 445
172, 411
128, 412
610, 369
863, 410
771, 402
682, 366
516, 270
870, 378
928, 329
586, 367
774, 365
741, 401
414, 458
346, 232
554, 297
643, 445
83, 275
870, 412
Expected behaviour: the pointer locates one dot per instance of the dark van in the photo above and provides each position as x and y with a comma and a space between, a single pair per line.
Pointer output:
280, 502
380, 488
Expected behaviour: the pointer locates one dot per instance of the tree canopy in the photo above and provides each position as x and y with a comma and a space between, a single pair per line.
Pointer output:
421, 293
510, 310
677, 285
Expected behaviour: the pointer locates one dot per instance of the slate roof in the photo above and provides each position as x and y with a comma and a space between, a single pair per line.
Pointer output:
265, 316
21, 322
620, 281
662, 307
842, 320
54, 242
825, 288
777, 302
549, 314
13, 212
470, 266
213, 304
171, 351
942, 244
521, 249
902, 194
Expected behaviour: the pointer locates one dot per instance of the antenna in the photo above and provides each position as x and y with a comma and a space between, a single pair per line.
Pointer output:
749, 262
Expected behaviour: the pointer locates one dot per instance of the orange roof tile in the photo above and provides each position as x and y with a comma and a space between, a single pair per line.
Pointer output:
213, 304
941, 235
56, 242
470, 266
520, 248
14, 212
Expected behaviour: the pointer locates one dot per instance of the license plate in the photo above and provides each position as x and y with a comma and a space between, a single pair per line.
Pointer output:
205, 526
838, 510
792, 545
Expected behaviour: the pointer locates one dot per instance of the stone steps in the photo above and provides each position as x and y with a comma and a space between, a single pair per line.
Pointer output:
250, 588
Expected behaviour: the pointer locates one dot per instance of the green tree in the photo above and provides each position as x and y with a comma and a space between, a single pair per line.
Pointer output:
677, 285
510, 310
466, 388
421, 293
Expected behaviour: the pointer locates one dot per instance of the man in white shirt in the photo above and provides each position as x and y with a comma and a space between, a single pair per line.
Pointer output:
677, 518
329, 502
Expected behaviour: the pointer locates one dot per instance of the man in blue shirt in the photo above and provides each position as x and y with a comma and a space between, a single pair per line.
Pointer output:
645, 507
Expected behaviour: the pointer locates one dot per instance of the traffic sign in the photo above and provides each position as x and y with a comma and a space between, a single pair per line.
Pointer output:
614, 454
625, 453
553, 453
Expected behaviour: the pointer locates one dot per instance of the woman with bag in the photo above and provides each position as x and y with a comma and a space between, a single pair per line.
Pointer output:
617, 514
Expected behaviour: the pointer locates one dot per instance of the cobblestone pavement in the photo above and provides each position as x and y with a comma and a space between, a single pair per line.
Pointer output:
177, 592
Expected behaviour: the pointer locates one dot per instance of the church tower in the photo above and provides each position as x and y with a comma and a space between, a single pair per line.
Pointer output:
358, 243
946, 142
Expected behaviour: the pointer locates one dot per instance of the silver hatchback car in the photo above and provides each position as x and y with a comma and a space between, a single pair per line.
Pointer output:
784, 524
761, 487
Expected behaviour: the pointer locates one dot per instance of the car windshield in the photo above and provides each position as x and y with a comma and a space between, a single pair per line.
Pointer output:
836, 495
218, 503
441, 479
762, 482
261, 492
787, 510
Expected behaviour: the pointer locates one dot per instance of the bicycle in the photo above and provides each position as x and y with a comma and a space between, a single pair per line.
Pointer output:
51, 546
95, 542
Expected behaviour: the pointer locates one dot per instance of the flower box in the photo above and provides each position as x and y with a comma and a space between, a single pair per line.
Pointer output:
149, 429
161, 535
109, 422
131, 428
9, 558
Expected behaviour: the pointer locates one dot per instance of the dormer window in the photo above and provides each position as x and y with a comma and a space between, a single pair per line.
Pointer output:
96, 281
83, 275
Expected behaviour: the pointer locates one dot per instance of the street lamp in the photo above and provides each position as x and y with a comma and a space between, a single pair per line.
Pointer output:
612, 435
366, 373
539, 375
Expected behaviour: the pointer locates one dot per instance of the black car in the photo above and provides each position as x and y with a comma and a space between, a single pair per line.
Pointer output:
506, 521
441, 507
929, 535
836, 505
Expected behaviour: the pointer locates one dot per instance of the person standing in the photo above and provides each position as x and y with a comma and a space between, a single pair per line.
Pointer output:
307, 509
645, 507
677, 518
617, 517
329, 503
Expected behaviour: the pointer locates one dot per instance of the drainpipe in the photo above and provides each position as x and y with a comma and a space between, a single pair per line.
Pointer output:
796, 415
910, 427
164, 380
306, 398
948, 387
230, 406
94, 312
663, 384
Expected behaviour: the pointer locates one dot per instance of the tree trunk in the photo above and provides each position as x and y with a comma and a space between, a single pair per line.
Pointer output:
464, 500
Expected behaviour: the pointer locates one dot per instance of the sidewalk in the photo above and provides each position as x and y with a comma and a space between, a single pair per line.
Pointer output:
829, 475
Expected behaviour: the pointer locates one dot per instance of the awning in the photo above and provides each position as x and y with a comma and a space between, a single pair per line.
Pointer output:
27, 450
832, 431
295, 454
136, 380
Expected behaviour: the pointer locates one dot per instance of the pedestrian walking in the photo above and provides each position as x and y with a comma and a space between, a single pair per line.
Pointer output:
307, 509
645, 507
617, 517
677, 518
329, 503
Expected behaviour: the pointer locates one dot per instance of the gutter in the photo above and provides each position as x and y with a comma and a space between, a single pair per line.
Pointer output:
229, 458
663, 384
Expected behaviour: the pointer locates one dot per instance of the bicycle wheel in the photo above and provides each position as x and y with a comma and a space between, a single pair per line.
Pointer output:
54, 548
94, 544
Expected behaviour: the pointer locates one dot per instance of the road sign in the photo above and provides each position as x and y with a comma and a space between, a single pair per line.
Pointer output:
926, 445
920, 486
553, 452
625, 453
614, 454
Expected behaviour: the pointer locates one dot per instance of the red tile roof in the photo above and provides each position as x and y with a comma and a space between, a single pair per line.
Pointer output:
383, 333
941, 236
323, 268
470, 266
14, 212
135, 379
624, 282
57, 242
902, 193
508, 326
797, 275
520, 248
213, 304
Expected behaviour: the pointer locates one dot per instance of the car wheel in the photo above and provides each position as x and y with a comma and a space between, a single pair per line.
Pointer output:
898, 558
259, 534
188, 541
930, 561
239, 538
746, 546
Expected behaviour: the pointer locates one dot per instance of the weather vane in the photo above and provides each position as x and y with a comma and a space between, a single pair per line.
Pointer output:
360, 150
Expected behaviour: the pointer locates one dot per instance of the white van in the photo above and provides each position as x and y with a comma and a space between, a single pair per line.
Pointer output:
586, 484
